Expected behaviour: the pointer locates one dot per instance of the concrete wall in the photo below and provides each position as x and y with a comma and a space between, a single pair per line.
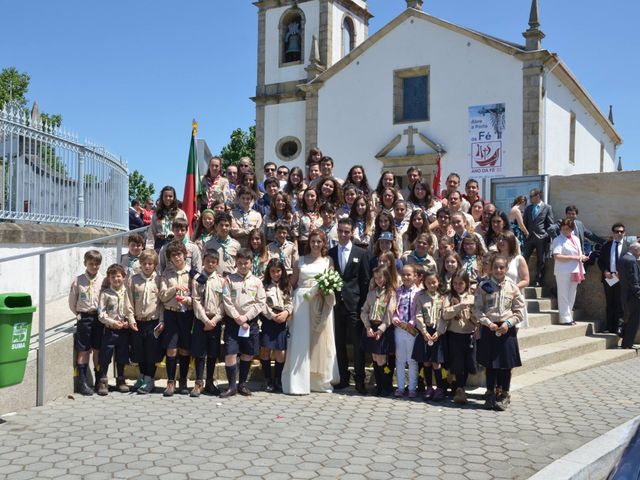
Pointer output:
559, 103
338, 15
284, 120
356, 105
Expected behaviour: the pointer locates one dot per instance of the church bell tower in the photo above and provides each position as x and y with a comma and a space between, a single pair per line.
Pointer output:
298, 40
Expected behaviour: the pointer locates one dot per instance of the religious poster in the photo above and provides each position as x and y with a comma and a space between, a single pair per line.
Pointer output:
486, 130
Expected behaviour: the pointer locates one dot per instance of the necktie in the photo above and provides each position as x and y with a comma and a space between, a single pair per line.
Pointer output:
536, 209
616, 255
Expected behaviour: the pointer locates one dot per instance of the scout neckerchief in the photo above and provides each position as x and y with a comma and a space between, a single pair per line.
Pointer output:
281, 252
360, 224
245, 217
470, 261
224, 244
255, 264
132, 262
211, 190
419, 260
120, 293
380, 305
92, 282
147, 287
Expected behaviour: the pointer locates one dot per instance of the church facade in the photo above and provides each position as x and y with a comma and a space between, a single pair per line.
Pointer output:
418, 90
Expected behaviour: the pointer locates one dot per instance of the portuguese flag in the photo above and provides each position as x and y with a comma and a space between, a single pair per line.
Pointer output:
190, 198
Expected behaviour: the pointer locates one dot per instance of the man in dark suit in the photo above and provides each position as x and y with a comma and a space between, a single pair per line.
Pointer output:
610, 255
135, 220
352, 263
538, 218
630, 293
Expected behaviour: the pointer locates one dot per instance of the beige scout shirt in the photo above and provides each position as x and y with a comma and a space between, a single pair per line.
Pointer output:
242, 223
143, 298
243, 296
169, 280
84, 294
287, 253
227, 250
377, 310
112, 307
207, 299
131, 264
429, 311
410, 258
276, 300
194, 257
505, 304
456, 319
163, 226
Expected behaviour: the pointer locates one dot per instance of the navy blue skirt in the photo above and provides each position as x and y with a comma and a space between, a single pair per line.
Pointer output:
461, 353
273, 335
425, 353
499, 352
383, 346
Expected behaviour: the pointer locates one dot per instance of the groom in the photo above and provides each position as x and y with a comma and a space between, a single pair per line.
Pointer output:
352, 263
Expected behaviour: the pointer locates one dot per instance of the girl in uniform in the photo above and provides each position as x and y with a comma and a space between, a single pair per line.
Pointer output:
471, 249
204, 229
258, 247
363, 221
460, 326
309, 217
376, 316
273, 335
163, 218
451, 263
428, 348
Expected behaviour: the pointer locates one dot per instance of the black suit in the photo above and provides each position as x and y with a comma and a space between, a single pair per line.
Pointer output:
629, 273
538, 239
349, 302
134, 219
611, 294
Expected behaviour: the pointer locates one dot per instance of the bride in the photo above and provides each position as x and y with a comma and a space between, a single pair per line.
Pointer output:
311, 364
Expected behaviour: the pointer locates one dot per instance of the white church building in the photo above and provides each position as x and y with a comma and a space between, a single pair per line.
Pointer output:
419, 89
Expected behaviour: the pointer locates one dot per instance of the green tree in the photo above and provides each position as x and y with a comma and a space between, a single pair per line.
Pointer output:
138, 187
13, 86
241, 144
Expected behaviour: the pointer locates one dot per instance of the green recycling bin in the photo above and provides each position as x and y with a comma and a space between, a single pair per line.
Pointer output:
16, 313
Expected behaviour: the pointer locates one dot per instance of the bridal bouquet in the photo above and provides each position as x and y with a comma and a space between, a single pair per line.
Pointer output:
329, 281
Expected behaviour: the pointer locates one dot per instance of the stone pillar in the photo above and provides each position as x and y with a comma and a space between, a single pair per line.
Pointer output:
532, 117
311, 119
326, 38
260, 91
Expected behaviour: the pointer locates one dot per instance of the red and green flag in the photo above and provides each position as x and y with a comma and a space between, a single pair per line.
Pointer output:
191, 183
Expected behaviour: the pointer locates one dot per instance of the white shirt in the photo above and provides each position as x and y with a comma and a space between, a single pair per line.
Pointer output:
613, 268
343, 255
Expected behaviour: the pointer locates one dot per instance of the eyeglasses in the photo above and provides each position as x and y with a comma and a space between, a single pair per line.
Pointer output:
618, 231
282, 172
269, 169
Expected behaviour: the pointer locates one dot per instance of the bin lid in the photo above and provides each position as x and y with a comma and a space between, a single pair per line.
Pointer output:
15, 303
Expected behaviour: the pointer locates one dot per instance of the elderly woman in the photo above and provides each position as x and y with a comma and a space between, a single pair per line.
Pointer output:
568, 269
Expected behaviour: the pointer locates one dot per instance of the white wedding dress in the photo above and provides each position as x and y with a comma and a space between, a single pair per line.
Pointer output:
311, 364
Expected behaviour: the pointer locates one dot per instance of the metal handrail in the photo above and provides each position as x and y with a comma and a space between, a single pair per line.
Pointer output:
42, 289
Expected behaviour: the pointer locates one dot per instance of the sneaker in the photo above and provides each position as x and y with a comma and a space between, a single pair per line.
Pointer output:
138, 383
460, 397
182, 387
412, 394
490, 400
148, 384
228, 393
197, 389
438, 395
399, 393
210, 388
171, 388
428, 393
85, 389
270, 386
244, 390
503, 402
121, 385
103, 387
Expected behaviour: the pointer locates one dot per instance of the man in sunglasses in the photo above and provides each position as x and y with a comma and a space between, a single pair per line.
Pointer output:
610, 254
269, 172
538, 219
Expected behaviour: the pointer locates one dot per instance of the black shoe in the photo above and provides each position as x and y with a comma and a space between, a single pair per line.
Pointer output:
490, 401
182, 387
228, 393
277, 386
85, 389
270, 387
360, 388
244, 390
210, 388
341, 386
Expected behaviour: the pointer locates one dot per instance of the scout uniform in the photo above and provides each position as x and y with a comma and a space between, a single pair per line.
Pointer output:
161, 228
130, 263
178, 317
460, 328
287, 253
207, 305
193, 258
274, 335
428, 315
411, 257
242, 223
84, 297
227, 250
111, 310
269, 227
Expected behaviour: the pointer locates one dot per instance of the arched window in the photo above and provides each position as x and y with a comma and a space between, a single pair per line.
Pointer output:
348, 36
292, 37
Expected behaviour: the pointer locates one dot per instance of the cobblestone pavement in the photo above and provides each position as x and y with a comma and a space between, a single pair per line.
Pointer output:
318, 436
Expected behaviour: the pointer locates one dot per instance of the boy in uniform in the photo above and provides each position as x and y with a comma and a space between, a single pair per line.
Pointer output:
193, 257
222, 243
144, 313
244, 299
131, 260
243, 217
283, 249
175, 296
111, 312
84, 296
207, 327
329, 225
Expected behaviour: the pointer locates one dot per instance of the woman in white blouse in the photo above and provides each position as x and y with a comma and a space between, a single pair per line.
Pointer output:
568, 269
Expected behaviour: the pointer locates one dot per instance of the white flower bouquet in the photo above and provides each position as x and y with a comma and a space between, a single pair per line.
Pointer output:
328, 282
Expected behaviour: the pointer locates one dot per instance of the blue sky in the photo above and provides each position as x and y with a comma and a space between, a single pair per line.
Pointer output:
131, 75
